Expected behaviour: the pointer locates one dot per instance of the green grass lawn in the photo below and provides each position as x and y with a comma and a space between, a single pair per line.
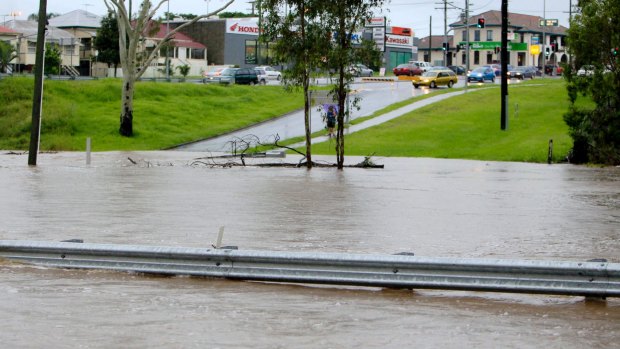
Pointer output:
468, 127
165, 114
168, 114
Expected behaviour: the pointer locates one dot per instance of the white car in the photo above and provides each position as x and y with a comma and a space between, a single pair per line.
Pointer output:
262, 76
272, 74
586, 70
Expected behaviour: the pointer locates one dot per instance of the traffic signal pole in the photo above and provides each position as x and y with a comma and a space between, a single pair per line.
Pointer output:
504, 62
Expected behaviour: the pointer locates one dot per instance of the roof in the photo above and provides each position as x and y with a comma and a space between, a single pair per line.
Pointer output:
178, 39
436, 42
5, 30
30, 30
520, 22
76, 19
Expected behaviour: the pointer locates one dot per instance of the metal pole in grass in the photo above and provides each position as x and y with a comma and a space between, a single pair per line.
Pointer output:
504, 55
88, 151
37, 99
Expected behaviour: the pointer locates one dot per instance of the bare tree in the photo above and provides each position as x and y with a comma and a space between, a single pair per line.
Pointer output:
131, 32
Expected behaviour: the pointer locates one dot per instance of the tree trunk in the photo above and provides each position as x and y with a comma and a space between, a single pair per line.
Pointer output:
341, 112
126, 128
307, 120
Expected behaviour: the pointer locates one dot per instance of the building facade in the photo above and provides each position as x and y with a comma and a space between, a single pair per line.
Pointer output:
529, 38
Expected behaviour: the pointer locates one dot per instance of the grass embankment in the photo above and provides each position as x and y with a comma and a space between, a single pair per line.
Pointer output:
164, 114
468, 127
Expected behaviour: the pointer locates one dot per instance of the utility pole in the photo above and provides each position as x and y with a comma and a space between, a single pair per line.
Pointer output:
37, 99
445, 33
504, 58
430, 38
570, 17
544, 40
466, 41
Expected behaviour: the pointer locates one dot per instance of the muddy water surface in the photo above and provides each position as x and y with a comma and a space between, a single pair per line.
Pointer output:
443, 208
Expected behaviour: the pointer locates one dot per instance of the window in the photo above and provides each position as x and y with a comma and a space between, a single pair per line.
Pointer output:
464, 58
477, 56
69, 50
464, 36
250, 52
476, 35
197, 53
32, 47
521, 58
489, 57
489, 35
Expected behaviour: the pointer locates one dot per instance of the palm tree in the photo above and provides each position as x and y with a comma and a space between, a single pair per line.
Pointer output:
7, 54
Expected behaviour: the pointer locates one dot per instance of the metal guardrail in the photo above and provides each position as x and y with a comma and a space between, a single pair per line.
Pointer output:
595, 279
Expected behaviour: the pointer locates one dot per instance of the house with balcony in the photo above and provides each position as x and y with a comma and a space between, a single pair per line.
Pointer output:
26, 44
83, 25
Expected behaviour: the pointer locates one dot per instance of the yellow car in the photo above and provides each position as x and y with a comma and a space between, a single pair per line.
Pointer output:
434, 78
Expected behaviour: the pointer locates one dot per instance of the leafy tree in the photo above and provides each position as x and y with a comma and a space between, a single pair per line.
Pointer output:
106, 41
131, 33
343, 17
7, 54
35, 16
300, 43
593, 35
237, 14
52, 59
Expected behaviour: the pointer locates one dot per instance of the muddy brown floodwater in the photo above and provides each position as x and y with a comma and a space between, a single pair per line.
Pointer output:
439, 208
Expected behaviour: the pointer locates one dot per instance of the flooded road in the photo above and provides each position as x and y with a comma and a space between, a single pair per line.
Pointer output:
440, 208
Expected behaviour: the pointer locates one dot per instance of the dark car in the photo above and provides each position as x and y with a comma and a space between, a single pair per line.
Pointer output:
521, 73
458, 69
242, 76
407, 69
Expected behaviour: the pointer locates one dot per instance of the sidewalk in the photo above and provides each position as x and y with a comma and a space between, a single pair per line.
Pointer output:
387, 116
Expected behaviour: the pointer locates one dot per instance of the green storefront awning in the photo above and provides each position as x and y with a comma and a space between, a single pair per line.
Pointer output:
491, 45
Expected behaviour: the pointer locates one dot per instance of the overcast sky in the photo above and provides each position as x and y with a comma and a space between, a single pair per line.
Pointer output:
404, 13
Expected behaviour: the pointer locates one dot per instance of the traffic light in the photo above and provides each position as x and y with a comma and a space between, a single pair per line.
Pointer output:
446, 46
498, 49
480, 23
553, 48
614, 51
547, 53
458, 47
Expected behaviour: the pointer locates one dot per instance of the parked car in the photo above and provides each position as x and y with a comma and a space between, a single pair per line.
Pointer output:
497, 68
272, 74
360, 70
407, 69
424, 66
458, 69
553, 69
434, 78
242, 76
536, 70
481, 74
521, 73
498, 72
261, 74
212, 75
586, 70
